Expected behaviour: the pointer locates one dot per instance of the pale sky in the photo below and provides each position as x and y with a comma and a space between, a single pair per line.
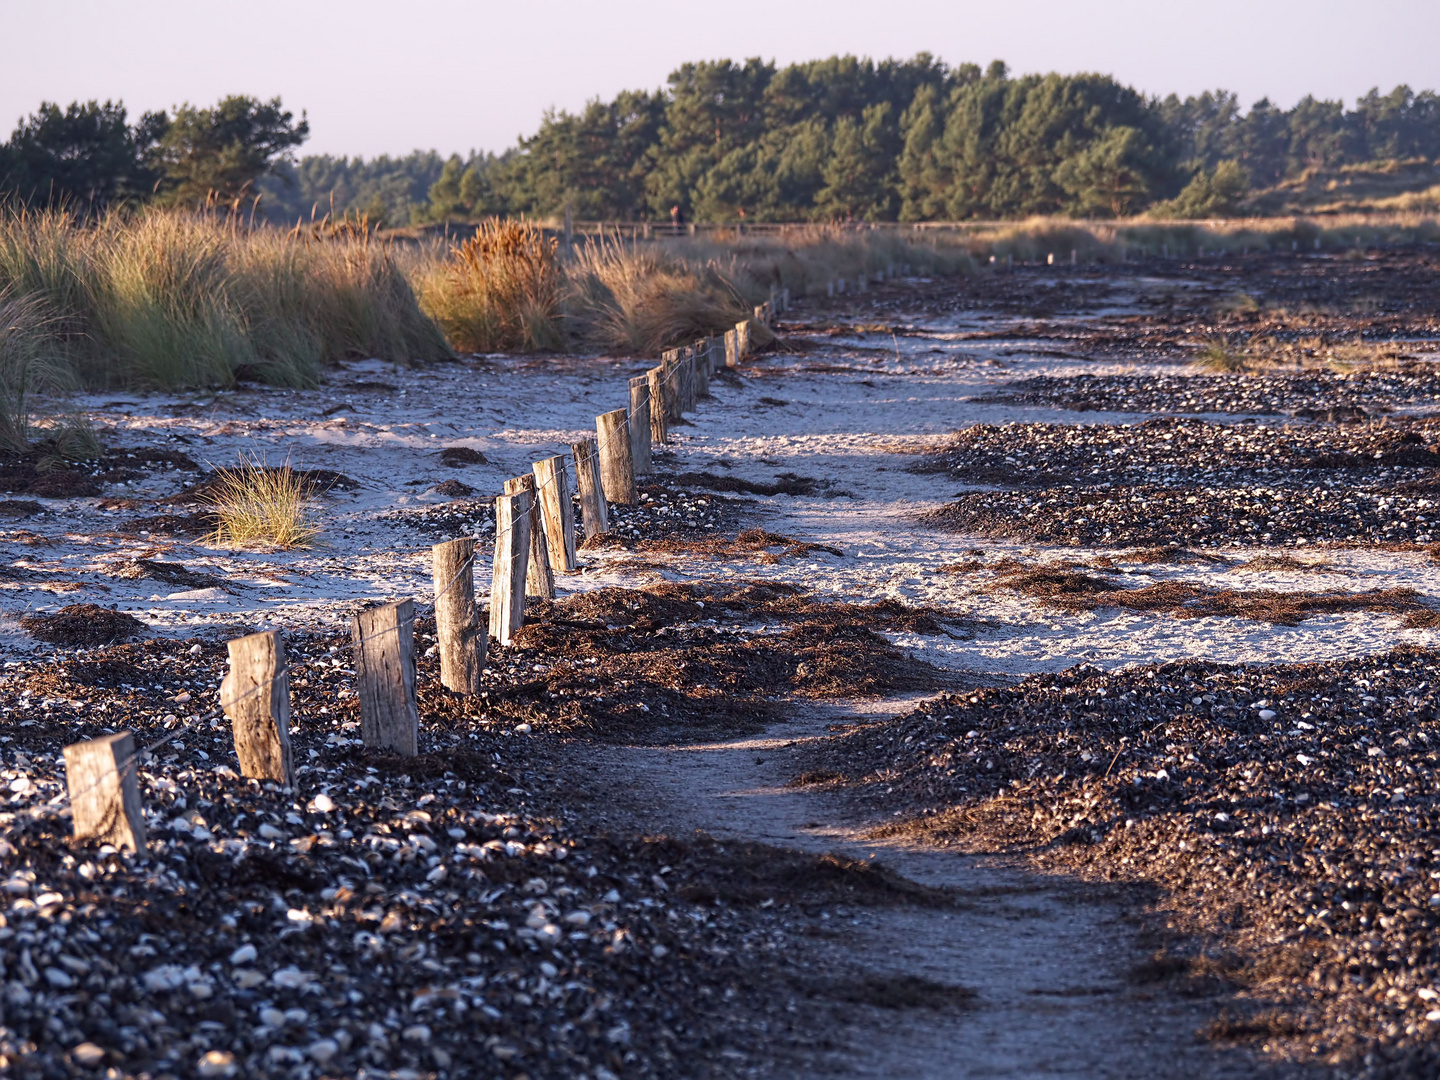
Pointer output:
444, 74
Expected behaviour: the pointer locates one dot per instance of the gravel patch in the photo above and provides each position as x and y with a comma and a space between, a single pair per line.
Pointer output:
1314, 394
1289, 813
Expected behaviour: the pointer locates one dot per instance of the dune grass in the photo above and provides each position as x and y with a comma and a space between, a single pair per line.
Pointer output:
260, 505
169, 300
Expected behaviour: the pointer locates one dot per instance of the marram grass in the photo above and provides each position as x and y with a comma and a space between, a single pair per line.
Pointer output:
257, 505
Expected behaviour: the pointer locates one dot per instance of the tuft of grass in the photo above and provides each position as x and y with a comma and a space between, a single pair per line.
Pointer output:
500, 289
1217, 355
257, 504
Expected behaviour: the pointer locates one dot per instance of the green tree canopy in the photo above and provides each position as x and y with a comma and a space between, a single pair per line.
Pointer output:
220, 152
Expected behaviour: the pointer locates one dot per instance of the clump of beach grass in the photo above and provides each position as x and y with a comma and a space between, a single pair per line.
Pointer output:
258, 505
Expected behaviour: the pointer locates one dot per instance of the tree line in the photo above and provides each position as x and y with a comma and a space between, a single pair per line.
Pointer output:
835, 139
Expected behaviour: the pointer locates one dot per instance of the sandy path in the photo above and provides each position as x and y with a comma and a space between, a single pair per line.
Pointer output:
1049, 958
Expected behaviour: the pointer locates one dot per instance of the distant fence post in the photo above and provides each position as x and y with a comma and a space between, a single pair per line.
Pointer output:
512, 561
742, 339
640, 433
617, 469
101, 776
458, 635
593, 512
556, 511
539, 579
732, 348
385, 677
255, 695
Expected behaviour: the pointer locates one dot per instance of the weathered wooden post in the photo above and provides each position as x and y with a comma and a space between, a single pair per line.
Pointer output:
539, 578
384, 638
594, 515
742, 339
759, 314
556, 512
732, 348
512, 560
255, 695
101, 777
659, 423
670, 386
701, 352
458, 634
640, 424
617, 468
686, 366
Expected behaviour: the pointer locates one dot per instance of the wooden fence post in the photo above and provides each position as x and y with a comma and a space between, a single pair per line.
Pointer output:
617, 469
686, 364
512, 560
385, 677
101, 777
539, 578
557, 512
732, 348
458, 633
742, 339
640, 424
255, 695
701, 352
594, 515
670, 387
659, 423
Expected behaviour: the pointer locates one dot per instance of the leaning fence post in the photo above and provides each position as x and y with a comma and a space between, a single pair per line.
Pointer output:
101, 777
732, 347
385, 677
255, 695
594, 514
512, 559
617, 468
539, 578
556, 511
742, 339
640, 424
458, 633
659, 423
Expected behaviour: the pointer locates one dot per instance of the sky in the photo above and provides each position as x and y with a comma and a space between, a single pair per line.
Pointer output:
378, 78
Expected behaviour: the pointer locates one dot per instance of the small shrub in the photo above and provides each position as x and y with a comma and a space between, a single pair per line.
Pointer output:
259, 504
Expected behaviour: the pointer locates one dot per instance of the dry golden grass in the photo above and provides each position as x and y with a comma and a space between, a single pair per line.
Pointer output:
644, 300
261, 505
498, 290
